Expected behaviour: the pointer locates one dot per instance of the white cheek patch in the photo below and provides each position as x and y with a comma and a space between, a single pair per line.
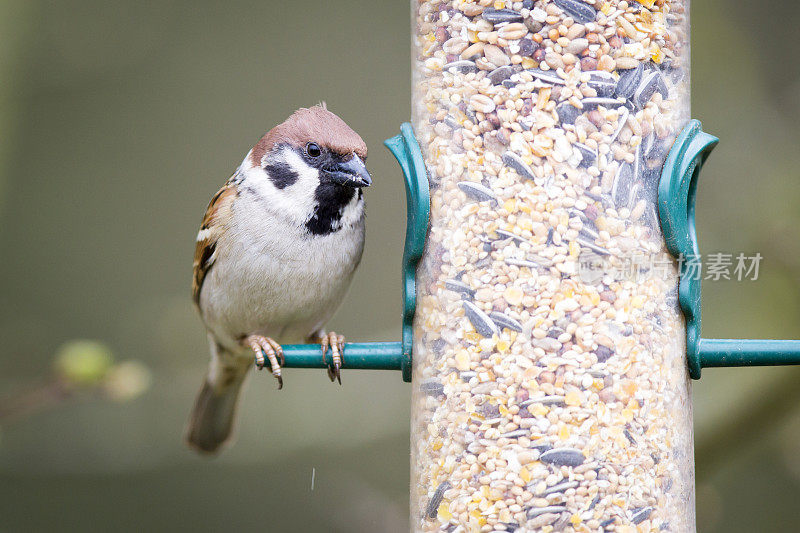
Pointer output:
296, 201
299, 197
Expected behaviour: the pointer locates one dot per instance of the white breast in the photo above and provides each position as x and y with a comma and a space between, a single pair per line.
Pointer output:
271, 277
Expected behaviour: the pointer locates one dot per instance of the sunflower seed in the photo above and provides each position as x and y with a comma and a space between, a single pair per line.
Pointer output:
515, 434
603, 82
480, 320
500, 74
647, 87
592, 246
628, 81
588, 232
588, 156
433, 505
514, 161
622, 184
460, 287
496, 16
591, 103
546, 76
563, 457
536, 511
568, 113
521, 263
478, 192
504, 321
623, 118
461, 66
541, 446
641, 514
545, 400
508, 235
560, 487
432, 387
581, 12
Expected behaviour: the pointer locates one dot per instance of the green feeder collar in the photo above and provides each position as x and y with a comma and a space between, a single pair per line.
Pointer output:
676, 204
388, 355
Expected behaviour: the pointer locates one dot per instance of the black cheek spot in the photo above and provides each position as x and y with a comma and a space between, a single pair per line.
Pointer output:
281, 174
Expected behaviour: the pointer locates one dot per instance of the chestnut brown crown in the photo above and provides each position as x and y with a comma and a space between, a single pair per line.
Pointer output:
312, 125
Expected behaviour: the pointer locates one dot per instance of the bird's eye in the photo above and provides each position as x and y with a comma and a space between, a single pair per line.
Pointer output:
312, 149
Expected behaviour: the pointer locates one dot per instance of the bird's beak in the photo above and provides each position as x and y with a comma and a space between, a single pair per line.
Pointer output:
352, 173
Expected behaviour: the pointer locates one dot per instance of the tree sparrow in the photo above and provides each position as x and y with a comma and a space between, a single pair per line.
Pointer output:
276, 251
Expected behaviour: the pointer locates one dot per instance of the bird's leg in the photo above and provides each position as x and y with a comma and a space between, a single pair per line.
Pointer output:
336, 344
266, 347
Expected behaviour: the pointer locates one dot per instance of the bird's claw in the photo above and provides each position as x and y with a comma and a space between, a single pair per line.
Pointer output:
266, 349
336, 344
260, 361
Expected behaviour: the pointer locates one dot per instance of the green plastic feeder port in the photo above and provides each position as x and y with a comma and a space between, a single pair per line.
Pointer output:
676, 202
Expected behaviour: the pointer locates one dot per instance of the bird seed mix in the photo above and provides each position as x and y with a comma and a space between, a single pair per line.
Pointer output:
550, 382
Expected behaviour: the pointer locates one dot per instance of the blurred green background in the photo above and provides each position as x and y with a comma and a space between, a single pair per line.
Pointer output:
119, 120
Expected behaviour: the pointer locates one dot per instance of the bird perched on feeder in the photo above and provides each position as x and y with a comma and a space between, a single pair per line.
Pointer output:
276, 251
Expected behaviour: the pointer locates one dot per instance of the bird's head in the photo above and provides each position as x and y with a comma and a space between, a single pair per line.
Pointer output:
312, 160
313, 140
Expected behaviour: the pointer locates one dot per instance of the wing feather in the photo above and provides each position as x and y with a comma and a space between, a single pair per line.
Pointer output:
214, 225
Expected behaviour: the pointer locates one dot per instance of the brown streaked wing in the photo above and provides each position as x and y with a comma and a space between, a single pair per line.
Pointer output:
215, 223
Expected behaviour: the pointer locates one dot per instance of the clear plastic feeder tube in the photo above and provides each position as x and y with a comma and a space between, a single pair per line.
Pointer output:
550, 382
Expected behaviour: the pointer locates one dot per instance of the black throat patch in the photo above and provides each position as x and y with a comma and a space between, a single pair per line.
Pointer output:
331, 201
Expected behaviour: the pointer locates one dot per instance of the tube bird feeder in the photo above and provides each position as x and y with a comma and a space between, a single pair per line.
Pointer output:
552, 165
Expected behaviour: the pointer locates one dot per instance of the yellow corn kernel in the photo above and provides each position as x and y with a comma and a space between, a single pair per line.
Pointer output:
595, 298
444, 511
538, 410
657, 56
573, 398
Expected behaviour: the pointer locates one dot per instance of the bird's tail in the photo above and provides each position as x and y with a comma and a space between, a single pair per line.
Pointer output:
212, 419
